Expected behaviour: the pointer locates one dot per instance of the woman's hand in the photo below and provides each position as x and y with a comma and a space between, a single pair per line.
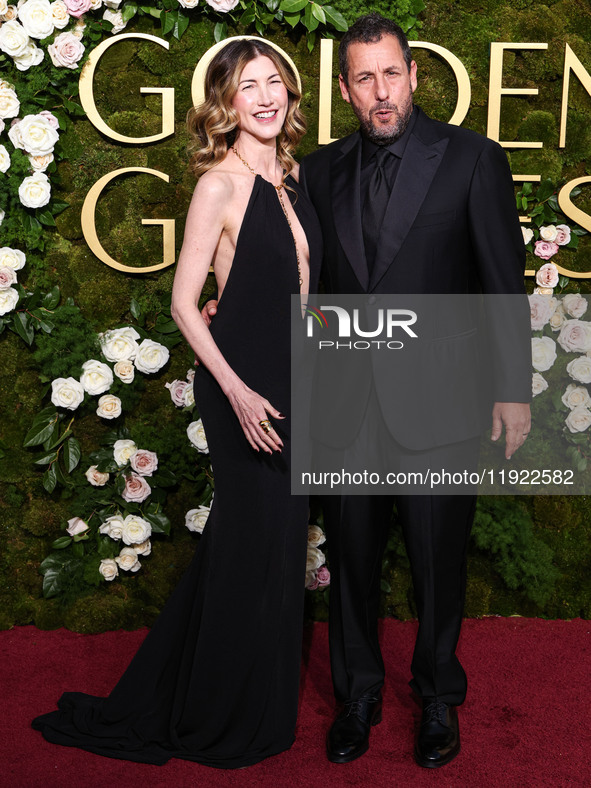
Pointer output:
252, 409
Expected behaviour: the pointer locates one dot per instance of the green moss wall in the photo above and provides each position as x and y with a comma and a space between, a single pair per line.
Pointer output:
528, 556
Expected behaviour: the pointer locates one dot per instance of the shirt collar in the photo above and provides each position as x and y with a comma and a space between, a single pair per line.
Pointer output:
397, 147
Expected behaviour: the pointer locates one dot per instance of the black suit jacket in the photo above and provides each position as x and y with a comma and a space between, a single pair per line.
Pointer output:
451, 227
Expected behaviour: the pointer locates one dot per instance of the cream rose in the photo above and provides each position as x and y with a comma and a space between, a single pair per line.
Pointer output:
144, 548
543, 351
66, 51
189, 3
116, 19
314, 559
36, 17
135, 529
96, 377
37, 135
66, 393
579, 419
144, 462
113, 526
76, 526
108, 568
11, 13
195, 519
79, 28
32, 56
3, 8
59, 14
40, 163
558, 319
35, 191
562, 234
114, 4
95, 477
541, 310
4, 159
580, 369
574, 304
189, 398
125, 371
14, 39
151, 356
122, 451
528, 234
575, 336
8, 300
120, 344
196, 435
9, 103
136, 489
12, 258
190, 375
109, 407
547, 275
576, 396
128, 560
7, 277
316, 536
96, 4
538, 384
223, 5
177, 391
548, 233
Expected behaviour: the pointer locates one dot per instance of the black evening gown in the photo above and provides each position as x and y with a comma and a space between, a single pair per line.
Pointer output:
216, 679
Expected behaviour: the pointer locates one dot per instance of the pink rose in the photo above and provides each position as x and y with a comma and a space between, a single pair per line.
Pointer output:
562, 234
50, 118
323, 576
144, 462
177, 392
541, 310
136, 489
547, 275
574, 304
222, 5
76, 526
311, 581
7, 277
575, 336
78, 7
545, 250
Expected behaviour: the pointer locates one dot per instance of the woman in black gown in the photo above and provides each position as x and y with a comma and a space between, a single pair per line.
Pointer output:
216, 679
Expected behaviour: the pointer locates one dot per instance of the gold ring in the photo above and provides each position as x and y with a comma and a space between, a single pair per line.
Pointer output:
266, 425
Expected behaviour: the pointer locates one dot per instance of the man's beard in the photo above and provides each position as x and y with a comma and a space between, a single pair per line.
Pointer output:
390, 132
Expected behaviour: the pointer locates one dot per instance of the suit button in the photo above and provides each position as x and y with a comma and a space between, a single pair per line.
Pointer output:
372, 300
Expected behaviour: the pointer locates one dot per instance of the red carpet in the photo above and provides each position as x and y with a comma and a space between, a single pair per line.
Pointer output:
526, 721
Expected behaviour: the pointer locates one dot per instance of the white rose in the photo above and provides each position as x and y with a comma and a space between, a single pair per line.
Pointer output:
195, 519
542, 308
114, 4
12, 258
40, 163
8, 300
36, 17
196, 435
135, 529
145, 548
113, 526
579, 419
2, 215
125, 371
76, 526
527, 234
95, 477
13, 39
108, 568
119, 344
32, 56
543, 351
96, 377
66, 393
576, 396
538, 384
109, 407
574, 304
189, 3
66, 51
316, 536
190, 375
96, 4
189, 398
37, 135
9, 103
122, 451
14, 135
558, 319
3, 7
575, 336
151, 356
116, 19
223, 5
548, 233
314, 559
4, 159
59, 14
580, 369
128, 560
7, 277
35, 191
177, 391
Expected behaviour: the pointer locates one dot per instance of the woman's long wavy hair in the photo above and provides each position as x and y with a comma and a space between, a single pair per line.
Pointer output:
213, 125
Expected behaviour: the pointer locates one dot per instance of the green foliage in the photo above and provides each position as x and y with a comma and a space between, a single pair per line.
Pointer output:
404, 12
61, 353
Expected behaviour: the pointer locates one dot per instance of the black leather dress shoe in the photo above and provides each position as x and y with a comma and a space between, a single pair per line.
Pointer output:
438, 737
348, 737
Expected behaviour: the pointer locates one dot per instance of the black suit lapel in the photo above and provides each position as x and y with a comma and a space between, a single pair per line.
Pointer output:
417, 170
346, 205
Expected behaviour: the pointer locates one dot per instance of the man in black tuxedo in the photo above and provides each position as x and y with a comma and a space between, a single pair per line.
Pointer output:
408, 205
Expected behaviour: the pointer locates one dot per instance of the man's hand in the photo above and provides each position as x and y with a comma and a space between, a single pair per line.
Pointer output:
209, 310
517, 420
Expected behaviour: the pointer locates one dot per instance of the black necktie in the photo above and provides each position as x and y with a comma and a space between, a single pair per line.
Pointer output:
374, 208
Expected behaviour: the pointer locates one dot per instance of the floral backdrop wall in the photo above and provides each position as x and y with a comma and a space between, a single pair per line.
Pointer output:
104, 464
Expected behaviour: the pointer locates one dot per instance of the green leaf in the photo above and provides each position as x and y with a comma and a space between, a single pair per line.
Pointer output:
72, 454
56, 439
248, 17
524, 203
58, 207
272, 5
181, 25
30, 223
42, 427
50, 479
78, 548
52, 583
163, 478
47, 326
318, 12
129, 10
46, 459
527, 188
385, 586
159, 522
545, 189
311, 40
63, 541
291, 6
259, 27
168, 20
22, 325
573, 243
51, 300
46, 217
220, 31
310, 21
336, 19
